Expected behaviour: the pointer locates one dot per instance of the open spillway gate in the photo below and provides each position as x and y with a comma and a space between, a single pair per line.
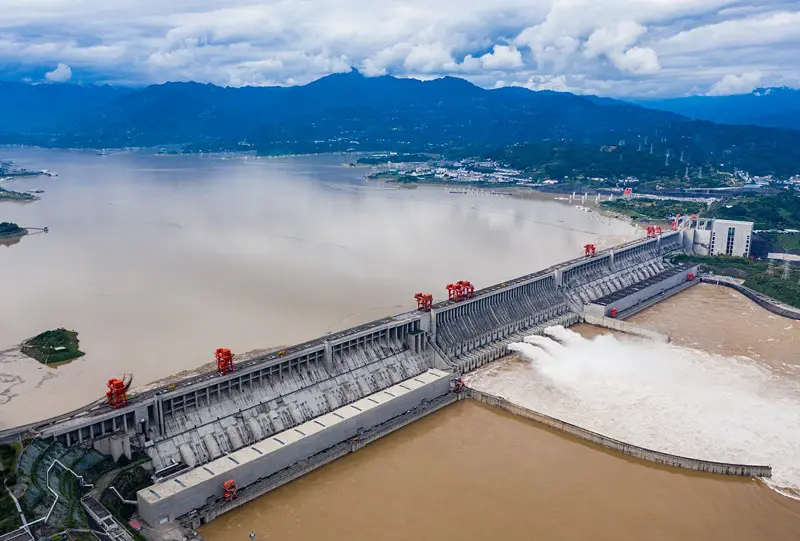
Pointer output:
199, 419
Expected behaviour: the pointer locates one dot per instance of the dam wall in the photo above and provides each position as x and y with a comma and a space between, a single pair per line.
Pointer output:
177, 496
212, 510
629, 300
658, 457
627, 328
193, 421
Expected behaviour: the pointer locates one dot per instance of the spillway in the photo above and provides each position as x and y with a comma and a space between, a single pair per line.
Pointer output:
660, 396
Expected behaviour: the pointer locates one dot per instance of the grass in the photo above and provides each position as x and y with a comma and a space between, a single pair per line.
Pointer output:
10, 229
15, 196
653, 209
756, 275
9, 519
783, 242
56, 346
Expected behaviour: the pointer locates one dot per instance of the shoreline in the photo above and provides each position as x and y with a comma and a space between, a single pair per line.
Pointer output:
6, 236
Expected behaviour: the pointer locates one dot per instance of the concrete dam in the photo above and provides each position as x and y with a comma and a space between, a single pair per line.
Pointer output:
278, 415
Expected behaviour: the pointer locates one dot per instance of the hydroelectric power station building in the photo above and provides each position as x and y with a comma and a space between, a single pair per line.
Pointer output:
279, 415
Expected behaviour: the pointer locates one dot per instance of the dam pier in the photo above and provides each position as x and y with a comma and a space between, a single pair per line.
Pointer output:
217, 440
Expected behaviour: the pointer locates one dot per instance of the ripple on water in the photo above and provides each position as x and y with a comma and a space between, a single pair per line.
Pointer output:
660, 396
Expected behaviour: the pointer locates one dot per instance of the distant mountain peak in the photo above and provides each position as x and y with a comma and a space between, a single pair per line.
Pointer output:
766, 91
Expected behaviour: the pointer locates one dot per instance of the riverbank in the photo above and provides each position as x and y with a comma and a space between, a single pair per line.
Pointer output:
15, 235
764, 277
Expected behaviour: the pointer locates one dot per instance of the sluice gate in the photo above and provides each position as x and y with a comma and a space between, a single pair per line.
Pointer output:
191, 424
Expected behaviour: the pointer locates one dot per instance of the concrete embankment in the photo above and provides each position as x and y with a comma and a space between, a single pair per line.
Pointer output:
658, 457
303, 467
768, 303
628, 328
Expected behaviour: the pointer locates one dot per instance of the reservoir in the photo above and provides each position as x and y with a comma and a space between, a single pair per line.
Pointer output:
253, 253
156, 261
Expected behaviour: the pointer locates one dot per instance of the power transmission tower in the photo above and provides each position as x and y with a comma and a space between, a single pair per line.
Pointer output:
786, 270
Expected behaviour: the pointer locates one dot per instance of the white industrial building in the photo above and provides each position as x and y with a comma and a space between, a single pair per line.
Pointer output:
172, 498
720, 237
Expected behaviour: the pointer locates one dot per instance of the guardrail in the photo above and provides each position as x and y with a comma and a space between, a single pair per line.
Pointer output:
747, 470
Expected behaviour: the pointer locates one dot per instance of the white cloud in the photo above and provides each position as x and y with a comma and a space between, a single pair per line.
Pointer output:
637, 60
616, 47
62, 74
502, 57
735, 84
428, 58
613, 39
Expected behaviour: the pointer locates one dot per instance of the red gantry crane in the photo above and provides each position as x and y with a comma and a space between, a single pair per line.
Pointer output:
117, 393
590, 250
424, 301
460, 290
224, 361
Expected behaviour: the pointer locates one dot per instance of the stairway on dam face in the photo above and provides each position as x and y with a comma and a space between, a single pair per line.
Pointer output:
238, 418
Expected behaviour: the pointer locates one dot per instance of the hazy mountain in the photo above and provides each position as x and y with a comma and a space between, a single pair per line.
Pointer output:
350, 111
772, 107
26, 108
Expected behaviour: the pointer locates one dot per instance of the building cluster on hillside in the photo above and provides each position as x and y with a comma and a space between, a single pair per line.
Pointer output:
466, 170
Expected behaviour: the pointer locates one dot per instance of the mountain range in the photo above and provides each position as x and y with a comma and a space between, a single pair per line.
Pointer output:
349, 111
771, 107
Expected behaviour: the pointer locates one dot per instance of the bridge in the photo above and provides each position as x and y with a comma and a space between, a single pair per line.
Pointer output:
200, 418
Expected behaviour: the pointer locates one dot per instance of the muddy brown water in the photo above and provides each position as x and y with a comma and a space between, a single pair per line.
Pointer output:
471, 472
157, 261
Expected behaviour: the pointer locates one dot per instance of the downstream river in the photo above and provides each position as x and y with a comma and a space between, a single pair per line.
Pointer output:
157, 261
471, 472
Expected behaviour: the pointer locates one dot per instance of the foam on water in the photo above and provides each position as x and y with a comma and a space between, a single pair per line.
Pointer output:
660, 396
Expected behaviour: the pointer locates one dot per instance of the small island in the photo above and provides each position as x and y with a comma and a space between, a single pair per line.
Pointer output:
53, 347
8, 195
10, 229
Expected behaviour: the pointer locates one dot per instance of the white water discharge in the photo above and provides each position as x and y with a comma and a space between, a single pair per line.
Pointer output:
660, 396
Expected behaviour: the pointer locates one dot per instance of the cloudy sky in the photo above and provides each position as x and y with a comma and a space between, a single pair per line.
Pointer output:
604, 47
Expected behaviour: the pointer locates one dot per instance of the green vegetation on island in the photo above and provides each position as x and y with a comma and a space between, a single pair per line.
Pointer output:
51, 347
762, 276
10, 229
8, 195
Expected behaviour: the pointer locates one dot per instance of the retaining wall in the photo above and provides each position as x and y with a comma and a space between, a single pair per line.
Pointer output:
261, 487
768, 303
658, 457
628, 328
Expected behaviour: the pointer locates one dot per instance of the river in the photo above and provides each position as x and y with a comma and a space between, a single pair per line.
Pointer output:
473, 472
157, 261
